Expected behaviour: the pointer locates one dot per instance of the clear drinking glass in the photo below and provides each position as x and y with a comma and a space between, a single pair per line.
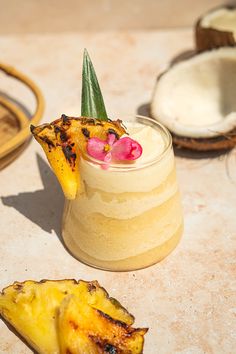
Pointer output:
127, 216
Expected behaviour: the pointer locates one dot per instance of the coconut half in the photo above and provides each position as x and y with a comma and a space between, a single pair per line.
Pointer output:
196, 100
216, 29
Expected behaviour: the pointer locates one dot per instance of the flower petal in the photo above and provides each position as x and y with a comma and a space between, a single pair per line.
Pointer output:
107, 161
96, 148
126, 149
111, 139
108, 157
137, 150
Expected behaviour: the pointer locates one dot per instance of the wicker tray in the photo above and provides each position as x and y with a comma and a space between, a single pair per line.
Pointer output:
14, 124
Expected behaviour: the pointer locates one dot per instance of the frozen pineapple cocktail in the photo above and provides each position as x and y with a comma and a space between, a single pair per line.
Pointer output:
127, 216
122, 209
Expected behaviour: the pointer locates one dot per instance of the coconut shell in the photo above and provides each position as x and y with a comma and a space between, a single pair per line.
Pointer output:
208, 38
221, 142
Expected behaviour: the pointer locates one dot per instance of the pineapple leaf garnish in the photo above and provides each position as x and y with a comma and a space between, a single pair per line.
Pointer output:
92, 104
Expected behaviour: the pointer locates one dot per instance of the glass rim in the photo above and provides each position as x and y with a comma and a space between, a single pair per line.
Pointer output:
129, 166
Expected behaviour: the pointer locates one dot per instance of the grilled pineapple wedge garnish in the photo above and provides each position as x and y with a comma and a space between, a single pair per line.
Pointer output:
65, 139
78, 334
32, 308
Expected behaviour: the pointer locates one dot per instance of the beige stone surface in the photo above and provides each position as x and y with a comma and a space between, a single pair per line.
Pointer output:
188, 300
31, 16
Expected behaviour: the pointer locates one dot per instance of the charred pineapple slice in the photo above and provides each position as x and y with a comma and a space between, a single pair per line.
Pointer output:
65, 139
84, 329
32, 307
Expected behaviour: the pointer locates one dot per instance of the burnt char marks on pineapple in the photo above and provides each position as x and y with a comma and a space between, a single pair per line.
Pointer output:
91, 287
120, 125
56, 129
68, 351
103, 345
109, 348
86, 132
70, 155
38, 133
32, 128
37, 130
62, 131
73, 325
112, 131
90, 121
86, 121
18, 286
48, 142
64, 140
65, 119
63, 136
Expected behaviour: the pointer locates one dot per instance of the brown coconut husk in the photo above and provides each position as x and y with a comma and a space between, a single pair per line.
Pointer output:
208, 38
220, 142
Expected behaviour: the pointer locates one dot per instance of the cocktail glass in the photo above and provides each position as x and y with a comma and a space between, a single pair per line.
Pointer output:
127, 216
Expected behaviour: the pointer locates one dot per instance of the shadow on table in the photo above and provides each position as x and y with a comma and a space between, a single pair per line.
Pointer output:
186, 54
43, 207
144, 109
18, 103
198, 155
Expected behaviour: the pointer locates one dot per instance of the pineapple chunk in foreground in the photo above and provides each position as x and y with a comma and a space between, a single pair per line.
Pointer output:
84, 329
39, 312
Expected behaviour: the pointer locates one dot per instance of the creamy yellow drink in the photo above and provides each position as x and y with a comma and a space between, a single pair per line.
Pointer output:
128, 215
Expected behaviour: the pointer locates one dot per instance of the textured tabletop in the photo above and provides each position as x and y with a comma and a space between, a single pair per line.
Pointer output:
188, 300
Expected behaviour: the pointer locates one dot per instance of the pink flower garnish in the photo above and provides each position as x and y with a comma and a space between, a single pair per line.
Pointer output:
124, 149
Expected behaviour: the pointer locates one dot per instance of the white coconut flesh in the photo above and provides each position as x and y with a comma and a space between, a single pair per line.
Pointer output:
221, 20
196, 98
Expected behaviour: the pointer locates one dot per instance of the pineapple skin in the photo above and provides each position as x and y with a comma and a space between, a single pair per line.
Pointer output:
32, 308
65, 139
